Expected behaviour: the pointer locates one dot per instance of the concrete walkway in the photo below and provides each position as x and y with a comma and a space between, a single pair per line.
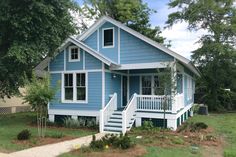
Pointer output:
53, 150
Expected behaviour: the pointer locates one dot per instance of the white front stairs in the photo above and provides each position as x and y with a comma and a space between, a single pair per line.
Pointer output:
114, 123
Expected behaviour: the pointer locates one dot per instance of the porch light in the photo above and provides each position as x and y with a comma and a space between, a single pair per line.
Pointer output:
114, 76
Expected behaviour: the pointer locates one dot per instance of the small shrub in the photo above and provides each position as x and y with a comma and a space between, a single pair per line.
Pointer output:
97, 145
125, 142
201, 125
24, 135
177, 140
57, 135
121, 142
147, 125
71, 123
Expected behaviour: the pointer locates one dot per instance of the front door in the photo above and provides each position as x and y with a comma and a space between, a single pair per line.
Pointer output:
124, 91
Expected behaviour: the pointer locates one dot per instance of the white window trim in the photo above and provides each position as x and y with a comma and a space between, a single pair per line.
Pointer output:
74, 60
113, 31
74, 88
189, 88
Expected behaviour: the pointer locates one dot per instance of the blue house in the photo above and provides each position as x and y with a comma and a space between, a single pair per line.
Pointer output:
110, 72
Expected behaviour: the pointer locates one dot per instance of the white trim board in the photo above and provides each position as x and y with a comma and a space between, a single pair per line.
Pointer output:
73, 112
113, 35
152, 65
103, 19
44, 63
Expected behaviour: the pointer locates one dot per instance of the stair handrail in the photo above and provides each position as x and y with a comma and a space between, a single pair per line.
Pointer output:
128, 112
107, 111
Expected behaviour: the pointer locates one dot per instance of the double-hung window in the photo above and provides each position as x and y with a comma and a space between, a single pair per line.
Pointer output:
75, 89
74, 54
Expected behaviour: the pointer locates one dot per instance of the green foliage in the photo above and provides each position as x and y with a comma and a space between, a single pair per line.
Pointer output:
177, 140
30, 30
114, 141
216, 57
147, 125
24, 135
133, 13
80, 122
39, 92
56, 135
192, 127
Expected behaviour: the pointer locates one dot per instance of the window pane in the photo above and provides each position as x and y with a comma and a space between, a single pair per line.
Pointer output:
78, 79
68, 80
108, 37
146, 85
146, 91
81, 93
81, 80
68, 93
74, 53
156, 81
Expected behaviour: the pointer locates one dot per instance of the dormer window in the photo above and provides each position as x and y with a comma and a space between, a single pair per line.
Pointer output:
74, 54
108, 37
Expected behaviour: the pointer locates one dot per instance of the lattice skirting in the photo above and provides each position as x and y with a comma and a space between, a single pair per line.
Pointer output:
14, 109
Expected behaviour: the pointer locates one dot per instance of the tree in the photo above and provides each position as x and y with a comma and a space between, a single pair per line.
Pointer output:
29, 31
133, 13
216, 57
168, 87
38, 94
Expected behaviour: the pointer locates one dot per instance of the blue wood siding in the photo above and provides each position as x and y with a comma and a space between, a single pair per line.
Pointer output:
78, 65
94, 94
111, 53
134, 85
55, 80
91, 41
134, 50
57, 63
112, 85
92, 62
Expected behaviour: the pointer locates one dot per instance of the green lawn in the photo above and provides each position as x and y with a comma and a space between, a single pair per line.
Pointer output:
11, 125
224, 125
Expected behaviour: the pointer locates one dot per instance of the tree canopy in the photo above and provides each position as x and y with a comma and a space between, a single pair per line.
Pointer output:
216, 58
133, 13
29, 31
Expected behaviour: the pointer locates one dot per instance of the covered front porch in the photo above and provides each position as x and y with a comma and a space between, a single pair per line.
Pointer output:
140, 91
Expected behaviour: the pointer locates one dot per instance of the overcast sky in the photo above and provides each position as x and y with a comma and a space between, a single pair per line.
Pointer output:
182, 40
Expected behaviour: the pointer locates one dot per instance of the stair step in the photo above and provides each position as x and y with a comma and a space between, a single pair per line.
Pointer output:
117, 113
112, 121
115, 117
112, 128
116, 131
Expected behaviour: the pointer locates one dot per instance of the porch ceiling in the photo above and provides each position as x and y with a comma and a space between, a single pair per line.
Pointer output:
141, 66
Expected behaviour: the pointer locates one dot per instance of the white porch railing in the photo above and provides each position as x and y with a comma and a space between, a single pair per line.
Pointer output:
179, 103
128, 113
153, 103
107, 111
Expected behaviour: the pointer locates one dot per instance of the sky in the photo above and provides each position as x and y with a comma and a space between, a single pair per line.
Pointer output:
182, 40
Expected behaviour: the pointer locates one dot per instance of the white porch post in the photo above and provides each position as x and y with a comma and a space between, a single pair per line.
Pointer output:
172, 124
51, 117
101, 122
174, 86
75, 117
